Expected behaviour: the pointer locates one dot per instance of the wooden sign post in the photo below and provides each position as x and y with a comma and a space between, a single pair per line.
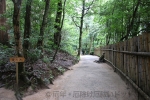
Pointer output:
16, 60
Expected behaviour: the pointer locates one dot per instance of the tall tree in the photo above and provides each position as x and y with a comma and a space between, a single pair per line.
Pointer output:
17, 35
27, 27
42, 28
57, 34
58, 25
91, 41
130, 26
81, 26
3, 33
83, 13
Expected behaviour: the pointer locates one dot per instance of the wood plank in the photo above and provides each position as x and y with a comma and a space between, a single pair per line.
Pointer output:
136, 59
132, 60
140, 63
125, 58
17, 59
143, 63
148, 67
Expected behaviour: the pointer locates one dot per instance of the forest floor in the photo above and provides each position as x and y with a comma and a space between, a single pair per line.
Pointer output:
86, 81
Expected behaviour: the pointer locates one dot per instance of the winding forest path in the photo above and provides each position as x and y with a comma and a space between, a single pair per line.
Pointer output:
87, 81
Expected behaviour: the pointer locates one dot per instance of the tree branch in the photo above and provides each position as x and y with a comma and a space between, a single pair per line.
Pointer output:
88, 8
130, 26
76, 16
75, 22
62, 22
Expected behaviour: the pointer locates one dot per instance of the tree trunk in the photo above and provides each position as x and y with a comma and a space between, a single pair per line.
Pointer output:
41, 36
3, 31
108, 37
84, 12
93, 43
81, 27
91, 40
57, 34
130, 26
58, 45
27, 28
17, 35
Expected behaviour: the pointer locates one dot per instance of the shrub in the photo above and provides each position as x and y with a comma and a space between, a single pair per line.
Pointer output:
5, 54
61, 69
34, 54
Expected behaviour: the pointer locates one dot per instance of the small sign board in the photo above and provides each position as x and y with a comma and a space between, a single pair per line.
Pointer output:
17, 59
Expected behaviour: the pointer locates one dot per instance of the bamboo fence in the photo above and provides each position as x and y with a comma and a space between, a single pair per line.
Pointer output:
132, 59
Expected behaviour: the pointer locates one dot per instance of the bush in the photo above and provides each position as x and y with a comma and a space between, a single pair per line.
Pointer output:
61, 69
5, 54
7, 69
47, 59
34, 54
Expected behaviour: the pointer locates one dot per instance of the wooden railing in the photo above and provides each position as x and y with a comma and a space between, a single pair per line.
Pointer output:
132, 59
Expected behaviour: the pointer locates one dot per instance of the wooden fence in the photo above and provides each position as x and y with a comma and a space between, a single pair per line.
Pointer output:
132, 59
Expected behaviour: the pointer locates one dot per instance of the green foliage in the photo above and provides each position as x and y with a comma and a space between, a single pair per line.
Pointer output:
7, 70
33, 41
69, 40
115, 19
69, 43
78, 58
61, 69
3, 28
70, 49
38, 78
34, 82
34, 54
51, 77
106, 23
5, 53
7, 74
112, 17
46, 59
46, 81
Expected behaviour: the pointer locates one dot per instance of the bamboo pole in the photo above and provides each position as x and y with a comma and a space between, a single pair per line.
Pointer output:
148, 77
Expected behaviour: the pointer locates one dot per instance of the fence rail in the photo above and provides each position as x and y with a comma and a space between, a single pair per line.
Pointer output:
132, 58
129, 52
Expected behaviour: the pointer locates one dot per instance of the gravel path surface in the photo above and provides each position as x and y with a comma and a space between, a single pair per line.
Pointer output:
87, 81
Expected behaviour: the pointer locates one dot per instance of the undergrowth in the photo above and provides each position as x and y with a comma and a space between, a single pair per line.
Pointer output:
39, 71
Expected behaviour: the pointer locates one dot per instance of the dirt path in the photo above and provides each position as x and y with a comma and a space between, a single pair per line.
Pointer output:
87, 81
